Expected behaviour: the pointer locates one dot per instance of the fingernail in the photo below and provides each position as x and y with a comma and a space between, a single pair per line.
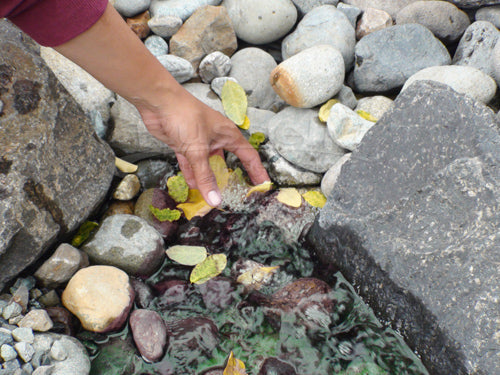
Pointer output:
214, 198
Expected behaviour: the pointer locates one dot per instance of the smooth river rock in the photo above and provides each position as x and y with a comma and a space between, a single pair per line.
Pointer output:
444, 19
413, 222
490, 14
463, 79
385, 59
261, 21
310, 77
322, 25
178, 8
127, 242
54, 171
390, 6
305, 6
298, 135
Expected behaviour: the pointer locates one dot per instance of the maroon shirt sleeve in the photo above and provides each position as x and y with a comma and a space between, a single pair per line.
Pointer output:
53, 22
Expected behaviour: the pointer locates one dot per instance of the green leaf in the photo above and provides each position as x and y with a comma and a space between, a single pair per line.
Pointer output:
234, 101
84, 233
208, 269
166, 214
256, 139
187, 255
178, 188
366, 115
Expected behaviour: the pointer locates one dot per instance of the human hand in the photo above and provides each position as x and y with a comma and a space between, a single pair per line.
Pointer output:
195, 132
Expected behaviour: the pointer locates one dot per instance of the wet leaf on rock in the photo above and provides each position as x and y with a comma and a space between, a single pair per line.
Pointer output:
234, 101
256, 139
125, 166
166, 214
261, 188
290, 196
366, 115
324, 111
212, 266
315, 198
195, 205
257, 276
178, 188
234, 366
187, 255
84, 232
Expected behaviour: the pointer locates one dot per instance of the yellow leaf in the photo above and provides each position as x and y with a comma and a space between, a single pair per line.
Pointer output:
187, 255
290, 196
366, 115
256, 139
246, 124
220, 169
315, 198
234, 366
261, 188
324, 111
195, 205
234, 101
257, 276
212, 266
178, 189
125, 166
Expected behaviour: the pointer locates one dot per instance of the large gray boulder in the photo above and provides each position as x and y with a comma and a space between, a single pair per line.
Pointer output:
385, 59
54, 171
413, 222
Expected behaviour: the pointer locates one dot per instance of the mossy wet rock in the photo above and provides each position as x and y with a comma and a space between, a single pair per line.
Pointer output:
385, 59
310, 77
55, 171
100, 297
127, 242
418, 224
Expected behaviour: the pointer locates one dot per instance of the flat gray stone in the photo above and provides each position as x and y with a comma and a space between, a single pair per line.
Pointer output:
165, 26
322, 25
390, 6
305, 6
156, 45
473, 3
130, 8
127, 242
385, 59
351, 12
413, 222
490, 14
259, 119
445, 20
54, 171
299, 136
476, 47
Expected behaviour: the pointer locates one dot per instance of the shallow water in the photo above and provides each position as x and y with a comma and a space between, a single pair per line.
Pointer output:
340, 335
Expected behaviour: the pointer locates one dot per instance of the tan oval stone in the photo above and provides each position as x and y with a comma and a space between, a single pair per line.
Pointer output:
127, 188
100, 297
37, 320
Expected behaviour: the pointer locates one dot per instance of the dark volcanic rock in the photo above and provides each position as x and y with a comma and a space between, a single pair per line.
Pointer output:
54, 171
413, 221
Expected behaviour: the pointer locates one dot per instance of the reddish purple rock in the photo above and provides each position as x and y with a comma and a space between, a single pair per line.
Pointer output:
150, 334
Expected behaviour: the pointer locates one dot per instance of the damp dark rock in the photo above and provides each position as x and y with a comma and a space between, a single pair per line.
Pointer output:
413, 222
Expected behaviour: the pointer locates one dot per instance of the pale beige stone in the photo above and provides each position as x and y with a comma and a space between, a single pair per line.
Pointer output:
100, 297
372, 20
127, 188
37, 320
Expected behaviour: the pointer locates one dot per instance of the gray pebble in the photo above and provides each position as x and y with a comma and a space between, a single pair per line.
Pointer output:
178, 8
375, 105
44, 370
165, 26
156, 45
490, 14
444, 19
29, 282
5, 337
322, 25
305, 6
25, 351
259, 119
7, 352
27, 369
476, 47
385, 59
60, 267
346, 97
23, 334
12, 310
181, 69
351, 12
214, 65
11, 367
58, 352
129, 8
217, 83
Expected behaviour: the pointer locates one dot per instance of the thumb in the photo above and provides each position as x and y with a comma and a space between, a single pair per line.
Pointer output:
205, 179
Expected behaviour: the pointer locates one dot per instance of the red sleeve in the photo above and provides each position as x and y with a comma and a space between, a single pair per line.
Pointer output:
53, 22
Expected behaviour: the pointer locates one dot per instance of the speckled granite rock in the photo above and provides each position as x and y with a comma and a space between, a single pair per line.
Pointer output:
53, 170
416, 229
